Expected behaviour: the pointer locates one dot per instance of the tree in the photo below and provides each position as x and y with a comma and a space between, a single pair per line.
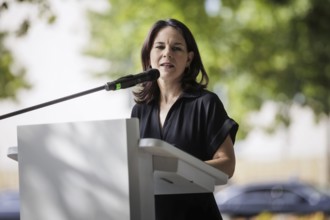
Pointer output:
12, 74
255, 50
10, 82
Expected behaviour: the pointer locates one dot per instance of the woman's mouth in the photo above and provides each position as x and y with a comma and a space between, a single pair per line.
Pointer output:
167, 65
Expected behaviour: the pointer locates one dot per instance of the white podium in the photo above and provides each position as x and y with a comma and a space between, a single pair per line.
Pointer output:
101, 170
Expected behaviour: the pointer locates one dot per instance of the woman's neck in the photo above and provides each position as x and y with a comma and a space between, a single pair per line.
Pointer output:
169, 93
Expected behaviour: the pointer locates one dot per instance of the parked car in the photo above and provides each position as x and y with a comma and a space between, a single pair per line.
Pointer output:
9, 205
275, 197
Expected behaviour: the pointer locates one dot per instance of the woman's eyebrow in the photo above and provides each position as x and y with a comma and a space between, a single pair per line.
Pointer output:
176, 43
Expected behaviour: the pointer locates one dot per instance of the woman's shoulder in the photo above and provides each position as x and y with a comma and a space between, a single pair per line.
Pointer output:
203, 97
203, 94
141, 107
208, 94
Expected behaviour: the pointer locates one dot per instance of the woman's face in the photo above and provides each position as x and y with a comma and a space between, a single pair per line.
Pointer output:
169, 54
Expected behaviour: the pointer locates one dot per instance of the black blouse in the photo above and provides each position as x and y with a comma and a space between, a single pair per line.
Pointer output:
197, 123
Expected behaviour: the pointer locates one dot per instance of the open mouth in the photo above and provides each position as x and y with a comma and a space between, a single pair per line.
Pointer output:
167, 65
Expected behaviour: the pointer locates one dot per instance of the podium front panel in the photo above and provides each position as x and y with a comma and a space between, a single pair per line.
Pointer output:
79, 171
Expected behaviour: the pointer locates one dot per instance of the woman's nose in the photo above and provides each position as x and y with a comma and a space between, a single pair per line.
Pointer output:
167, 52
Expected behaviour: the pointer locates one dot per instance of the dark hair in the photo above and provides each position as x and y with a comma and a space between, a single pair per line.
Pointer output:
150, 90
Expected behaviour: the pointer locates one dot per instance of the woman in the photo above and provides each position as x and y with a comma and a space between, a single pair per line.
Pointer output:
178, 109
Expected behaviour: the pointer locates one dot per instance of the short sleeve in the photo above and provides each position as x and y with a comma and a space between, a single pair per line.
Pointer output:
218, 124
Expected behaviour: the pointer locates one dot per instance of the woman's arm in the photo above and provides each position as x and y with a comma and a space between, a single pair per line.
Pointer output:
224, 157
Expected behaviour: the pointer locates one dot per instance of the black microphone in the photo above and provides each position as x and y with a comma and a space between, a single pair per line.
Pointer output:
132, 80
121, 83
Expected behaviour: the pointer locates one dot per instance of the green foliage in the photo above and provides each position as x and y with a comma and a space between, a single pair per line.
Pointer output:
13, 77
10, 82
286, 58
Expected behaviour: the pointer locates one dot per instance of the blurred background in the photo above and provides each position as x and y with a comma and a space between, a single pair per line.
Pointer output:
268, 60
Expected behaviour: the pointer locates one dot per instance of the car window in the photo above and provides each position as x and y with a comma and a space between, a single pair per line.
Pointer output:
275, 195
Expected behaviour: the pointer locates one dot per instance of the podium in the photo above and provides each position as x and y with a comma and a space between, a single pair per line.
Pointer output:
101, 170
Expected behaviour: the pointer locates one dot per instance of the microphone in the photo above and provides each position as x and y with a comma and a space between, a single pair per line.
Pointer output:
132, 80
121, 83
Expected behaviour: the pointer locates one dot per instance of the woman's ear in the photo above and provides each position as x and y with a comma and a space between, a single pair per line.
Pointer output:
190, 58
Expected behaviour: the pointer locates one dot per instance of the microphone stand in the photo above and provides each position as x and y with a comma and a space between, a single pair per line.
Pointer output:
53, 102
121, 83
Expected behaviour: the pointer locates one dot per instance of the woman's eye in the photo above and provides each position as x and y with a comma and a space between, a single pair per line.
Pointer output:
159, 47
176, 49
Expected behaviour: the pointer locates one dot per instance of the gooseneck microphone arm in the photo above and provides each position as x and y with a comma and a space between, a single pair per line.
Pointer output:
121, 83
50, 102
